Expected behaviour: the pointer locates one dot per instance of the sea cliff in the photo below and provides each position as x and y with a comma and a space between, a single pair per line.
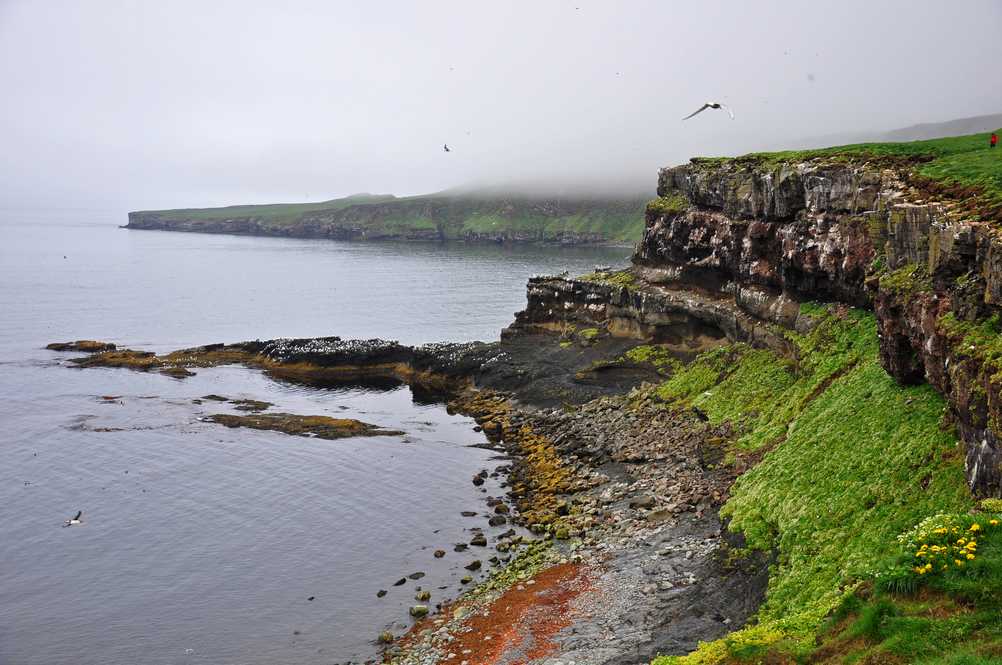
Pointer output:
733, 248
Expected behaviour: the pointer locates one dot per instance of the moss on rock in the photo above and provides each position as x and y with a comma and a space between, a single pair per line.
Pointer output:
906, 281
668, 205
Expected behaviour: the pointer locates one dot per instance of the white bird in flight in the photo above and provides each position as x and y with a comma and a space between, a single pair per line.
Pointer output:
710, 105
73, 521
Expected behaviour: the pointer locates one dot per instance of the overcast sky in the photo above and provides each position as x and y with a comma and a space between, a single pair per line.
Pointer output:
174, 104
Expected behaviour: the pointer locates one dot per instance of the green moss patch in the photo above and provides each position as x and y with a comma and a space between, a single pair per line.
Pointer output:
625, 278
981, 340
906, 281
657, 356
668, 205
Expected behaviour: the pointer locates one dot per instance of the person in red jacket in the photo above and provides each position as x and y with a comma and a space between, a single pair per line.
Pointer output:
993, 141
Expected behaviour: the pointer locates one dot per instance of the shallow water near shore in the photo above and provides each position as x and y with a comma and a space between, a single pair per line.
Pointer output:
202, 543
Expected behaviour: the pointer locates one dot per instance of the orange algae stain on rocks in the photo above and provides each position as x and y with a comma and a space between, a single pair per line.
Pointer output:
522, 622
539, 476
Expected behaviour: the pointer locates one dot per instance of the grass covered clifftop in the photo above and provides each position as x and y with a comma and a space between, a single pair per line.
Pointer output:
440, 217
274, 213
958, 167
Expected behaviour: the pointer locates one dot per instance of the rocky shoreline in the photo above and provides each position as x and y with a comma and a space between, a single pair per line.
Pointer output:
656, 572
620, 494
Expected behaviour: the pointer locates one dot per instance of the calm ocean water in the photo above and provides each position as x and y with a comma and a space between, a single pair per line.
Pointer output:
201, 544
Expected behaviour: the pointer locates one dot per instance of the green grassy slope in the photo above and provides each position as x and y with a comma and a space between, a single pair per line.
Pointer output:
860, 489
851, 461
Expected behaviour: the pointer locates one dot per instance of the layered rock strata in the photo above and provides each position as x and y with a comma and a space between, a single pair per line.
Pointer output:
732, 248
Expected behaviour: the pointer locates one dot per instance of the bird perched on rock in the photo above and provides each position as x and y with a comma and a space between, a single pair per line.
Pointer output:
73, 521
710, 105
446, 147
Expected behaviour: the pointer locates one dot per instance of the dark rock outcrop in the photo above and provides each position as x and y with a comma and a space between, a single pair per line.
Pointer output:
687, 321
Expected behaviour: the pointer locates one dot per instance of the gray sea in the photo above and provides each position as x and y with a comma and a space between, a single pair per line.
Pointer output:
202, 544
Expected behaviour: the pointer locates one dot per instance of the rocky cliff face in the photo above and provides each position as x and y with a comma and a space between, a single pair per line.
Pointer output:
732, 247
804, 231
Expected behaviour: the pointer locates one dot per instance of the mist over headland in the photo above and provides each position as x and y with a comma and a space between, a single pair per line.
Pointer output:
186, 104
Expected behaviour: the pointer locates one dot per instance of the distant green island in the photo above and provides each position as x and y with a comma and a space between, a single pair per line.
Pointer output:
446, 216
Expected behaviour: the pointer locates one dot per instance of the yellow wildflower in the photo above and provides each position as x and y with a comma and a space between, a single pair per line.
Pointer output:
970, 556
961, 541
993, 522
958, 562
975, 527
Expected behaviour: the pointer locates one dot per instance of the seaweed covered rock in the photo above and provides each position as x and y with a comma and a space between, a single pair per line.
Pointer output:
83, 345
321, 427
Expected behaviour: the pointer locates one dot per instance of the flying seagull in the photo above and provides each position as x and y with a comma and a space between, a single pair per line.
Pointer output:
446, 147
73, 521
710, 105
